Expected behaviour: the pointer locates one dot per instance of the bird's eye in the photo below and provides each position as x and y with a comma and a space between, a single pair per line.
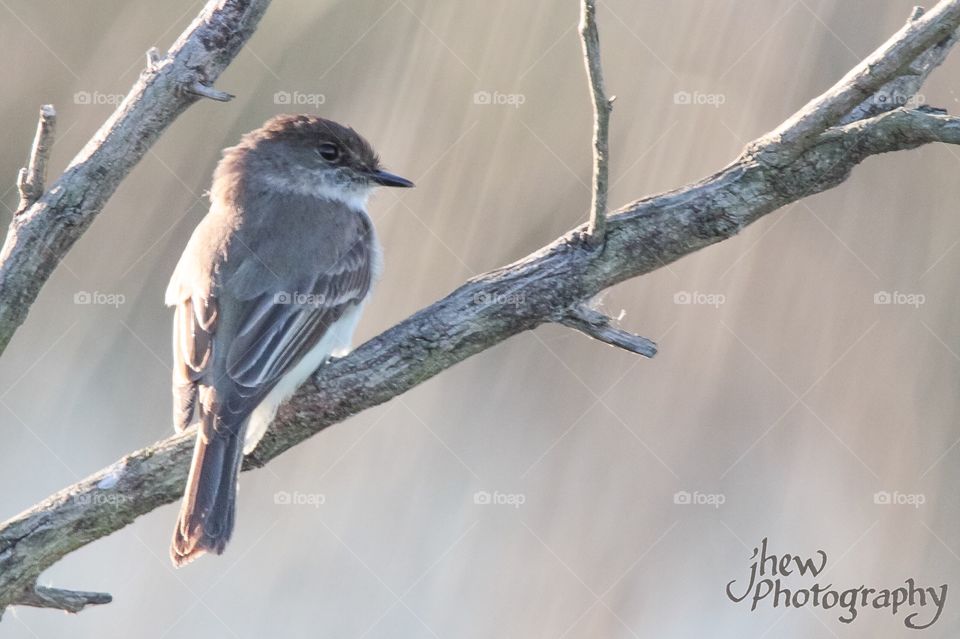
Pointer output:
329, 152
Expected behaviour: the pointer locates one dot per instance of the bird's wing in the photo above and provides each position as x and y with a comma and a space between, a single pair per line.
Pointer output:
269, 302
193, 325
253, 296
281, 326
192, 292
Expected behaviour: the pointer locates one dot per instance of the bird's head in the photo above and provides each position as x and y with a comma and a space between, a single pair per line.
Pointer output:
310, 155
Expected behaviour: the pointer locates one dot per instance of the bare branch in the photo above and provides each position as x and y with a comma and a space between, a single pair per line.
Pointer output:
40, 236
898, 130
59, 599
31, 180
902, 90
641, 237
891, 60
590, 40
598, 326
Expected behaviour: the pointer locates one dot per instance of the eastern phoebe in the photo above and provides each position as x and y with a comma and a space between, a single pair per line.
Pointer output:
270, 285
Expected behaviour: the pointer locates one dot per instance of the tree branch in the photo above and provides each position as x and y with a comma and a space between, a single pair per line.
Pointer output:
902, 89
602, 106
42, 232
641, 237
893, 59
59, 599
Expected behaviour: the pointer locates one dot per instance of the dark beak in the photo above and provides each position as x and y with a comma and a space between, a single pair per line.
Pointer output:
389, 179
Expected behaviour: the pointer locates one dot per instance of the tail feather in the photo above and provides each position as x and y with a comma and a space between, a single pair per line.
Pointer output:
209, 501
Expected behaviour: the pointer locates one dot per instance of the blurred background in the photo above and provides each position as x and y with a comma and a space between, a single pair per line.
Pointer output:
551, 486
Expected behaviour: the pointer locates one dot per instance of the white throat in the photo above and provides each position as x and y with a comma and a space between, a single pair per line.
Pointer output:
308, 183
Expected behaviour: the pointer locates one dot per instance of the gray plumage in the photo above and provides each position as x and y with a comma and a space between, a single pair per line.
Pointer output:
275, 273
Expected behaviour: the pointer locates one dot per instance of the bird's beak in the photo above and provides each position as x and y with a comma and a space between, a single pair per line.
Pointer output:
389, 179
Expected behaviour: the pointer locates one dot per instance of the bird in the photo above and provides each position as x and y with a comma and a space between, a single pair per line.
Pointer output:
270, 285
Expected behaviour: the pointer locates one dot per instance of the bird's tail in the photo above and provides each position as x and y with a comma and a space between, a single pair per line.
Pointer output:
209, 501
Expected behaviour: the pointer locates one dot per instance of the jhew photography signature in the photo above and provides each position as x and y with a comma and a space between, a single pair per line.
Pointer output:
768, 574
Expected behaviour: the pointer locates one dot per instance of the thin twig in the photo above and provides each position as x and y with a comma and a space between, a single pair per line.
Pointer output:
598, 326
204, 91
32, 179
60, 599
590, 39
